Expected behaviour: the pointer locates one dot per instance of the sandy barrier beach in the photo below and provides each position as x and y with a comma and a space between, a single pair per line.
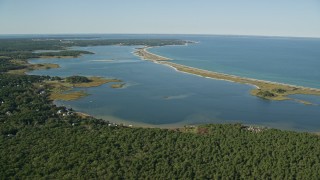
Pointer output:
264, 89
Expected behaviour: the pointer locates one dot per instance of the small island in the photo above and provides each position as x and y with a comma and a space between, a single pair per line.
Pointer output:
61, 89
118, 86
264, 89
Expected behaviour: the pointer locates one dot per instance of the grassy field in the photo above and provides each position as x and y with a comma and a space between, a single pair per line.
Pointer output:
68, 96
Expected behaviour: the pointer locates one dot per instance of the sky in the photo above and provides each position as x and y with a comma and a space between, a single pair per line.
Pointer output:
237, 17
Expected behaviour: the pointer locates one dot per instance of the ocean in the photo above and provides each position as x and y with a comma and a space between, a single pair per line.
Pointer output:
293, 61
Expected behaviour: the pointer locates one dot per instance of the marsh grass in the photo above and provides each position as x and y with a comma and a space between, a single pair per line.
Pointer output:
59, 89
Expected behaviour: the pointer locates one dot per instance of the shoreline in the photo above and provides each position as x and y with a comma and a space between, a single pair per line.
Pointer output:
60, 89
262, 88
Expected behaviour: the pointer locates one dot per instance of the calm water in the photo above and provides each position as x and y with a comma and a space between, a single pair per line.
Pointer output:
156, 95
289, 60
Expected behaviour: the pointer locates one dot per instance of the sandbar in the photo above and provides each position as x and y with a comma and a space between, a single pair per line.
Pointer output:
264, 89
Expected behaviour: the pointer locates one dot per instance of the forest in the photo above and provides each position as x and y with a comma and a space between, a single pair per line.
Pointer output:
77, 79
41, 140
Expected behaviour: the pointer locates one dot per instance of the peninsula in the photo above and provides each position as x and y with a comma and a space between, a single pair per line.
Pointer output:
264, 89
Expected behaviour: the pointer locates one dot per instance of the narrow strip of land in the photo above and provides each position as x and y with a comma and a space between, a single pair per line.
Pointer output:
264, 89
146, 55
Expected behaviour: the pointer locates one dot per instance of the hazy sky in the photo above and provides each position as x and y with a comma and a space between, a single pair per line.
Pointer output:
249, 17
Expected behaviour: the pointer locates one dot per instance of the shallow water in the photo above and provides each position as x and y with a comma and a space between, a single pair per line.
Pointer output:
156, 95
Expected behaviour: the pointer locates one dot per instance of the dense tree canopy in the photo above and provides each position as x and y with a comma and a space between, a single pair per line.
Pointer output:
77, 79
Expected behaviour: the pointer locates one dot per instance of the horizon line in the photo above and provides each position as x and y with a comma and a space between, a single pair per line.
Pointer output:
199, 34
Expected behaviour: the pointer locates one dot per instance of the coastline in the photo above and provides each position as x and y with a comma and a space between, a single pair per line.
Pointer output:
60, 89
262, 88
177, 67
165, 62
